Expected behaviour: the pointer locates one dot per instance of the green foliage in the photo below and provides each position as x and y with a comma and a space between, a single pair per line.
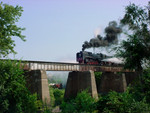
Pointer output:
59, 96
135, 51
139, 107
14, 96
121, 103
135, 100
113, 102
52, 101
9, 15
141, 90
136, 19
132, 52
98, 76
82, 103
68, 107
146, 83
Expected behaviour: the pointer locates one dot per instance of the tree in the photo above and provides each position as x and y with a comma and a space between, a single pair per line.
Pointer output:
14, 95
136, 49
9, 15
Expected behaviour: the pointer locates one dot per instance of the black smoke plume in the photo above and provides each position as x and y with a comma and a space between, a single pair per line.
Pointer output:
112, 31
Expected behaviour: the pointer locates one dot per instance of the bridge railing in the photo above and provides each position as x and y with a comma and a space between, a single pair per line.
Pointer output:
52, 66
57, 66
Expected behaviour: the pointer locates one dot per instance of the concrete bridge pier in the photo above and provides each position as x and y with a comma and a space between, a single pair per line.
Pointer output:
79, 81
112, 81
37, 82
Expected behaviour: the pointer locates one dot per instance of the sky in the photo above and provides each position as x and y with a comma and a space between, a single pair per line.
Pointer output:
56, 29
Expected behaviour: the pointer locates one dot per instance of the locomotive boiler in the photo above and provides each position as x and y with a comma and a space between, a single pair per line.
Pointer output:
84, 57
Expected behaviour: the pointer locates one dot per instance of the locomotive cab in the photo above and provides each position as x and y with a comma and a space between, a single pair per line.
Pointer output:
79, 57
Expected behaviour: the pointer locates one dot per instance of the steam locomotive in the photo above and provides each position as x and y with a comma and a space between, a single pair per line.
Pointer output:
84, 57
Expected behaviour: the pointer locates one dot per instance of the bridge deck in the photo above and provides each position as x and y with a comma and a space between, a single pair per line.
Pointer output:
60, 66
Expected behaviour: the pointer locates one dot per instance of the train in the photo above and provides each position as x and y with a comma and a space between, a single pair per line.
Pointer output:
85, 57
56, 85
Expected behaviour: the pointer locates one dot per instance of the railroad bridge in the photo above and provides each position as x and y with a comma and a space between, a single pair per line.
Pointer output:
60, 66
80, 77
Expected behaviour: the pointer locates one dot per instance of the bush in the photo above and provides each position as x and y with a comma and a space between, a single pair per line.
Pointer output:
68, 107
82, 103
141, 89
52, 101
14, 96
121, 103
98, 76
59, 96
145, 84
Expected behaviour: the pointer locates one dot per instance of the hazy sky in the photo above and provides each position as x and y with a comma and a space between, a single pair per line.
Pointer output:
56, 29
